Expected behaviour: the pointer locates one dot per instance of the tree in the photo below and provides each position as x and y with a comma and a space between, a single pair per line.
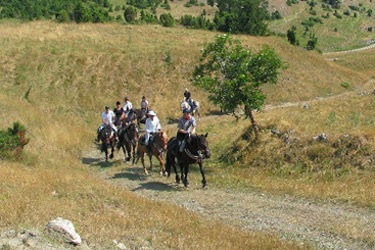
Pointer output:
292, 37
242, 16
233, 76
166, 20
130, 14
311, 43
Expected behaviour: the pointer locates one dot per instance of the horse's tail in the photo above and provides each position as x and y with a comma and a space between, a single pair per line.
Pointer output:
170, 158
168, 163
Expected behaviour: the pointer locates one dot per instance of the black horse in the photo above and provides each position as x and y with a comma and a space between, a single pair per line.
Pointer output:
108, 139
141, 115
128, 139
195, 151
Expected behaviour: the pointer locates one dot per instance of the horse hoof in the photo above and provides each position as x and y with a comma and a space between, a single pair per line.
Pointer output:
111, 157
127, 159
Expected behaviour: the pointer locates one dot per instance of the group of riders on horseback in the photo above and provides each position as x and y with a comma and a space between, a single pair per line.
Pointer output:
123, 115
124, 118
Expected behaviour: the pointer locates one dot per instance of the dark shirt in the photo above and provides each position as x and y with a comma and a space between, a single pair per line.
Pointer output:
118, 112
187, 94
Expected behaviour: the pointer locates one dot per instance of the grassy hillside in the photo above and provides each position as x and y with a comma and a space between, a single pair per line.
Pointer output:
334, 32
56, 79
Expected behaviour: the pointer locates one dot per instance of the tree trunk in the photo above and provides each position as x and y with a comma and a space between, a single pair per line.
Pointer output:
254, 124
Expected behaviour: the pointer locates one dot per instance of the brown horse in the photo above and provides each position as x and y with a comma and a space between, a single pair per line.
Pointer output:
128, 139
108, 140
158, 145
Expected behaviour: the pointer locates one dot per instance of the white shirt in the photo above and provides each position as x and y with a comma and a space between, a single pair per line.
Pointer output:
108, 117
152, 125
128, 106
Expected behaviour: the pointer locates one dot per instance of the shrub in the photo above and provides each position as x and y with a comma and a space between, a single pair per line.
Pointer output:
12, 142
166, 20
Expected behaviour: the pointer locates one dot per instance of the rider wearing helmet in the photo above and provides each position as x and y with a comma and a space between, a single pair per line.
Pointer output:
186, 125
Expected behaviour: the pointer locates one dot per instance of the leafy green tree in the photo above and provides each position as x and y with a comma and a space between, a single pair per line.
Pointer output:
166, 20
233, 76
312, 42
242, 16
63, 17
82, 13
211, 2
130, 14
292, 37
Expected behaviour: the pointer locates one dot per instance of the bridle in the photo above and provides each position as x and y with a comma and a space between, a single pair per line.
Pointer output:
201, 154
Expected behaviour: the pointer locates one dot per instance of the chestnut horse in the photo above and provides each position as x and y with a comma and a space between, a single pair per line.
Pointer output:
196, 150
157, 147
128, 139
108, 139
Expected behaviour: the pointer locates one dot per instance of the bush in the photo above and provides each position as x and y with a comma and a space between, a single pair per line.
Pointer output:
12, 142
166, 20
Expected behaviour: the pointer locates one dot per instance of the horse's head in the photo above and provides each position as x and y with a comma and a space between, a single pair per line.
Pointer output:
161, 139
133, 132
105, 134
200, 144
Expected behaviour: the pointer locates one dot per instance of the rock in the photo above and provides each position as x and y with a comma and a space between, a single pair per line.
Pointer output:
66, 228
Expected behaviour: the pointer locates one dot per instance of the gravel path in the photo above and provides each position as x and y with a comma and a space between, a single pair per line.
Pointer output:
322, 224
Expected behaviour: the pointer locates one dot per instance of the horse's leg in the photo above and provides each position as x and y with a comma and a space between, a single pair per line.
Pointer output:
128, 150
143, 162
134, 154
185, 168
204, 182
182, 173
112, 151
178, 180
162, 167
150, 158
105, 150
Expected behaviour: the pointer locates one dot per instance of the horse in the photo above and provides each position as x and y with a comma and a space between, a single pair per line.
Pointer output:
193, 106
141, 115
108, 140
196, 150
158, 145
128, 139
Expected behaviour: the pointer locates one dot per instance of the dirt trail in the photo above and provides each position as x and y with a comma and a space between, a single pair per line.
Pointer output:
323, 224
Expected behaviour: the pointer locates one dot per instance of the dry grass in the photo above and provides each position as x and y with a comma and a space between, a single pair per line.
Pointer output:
56, 78
340, 169
55, 81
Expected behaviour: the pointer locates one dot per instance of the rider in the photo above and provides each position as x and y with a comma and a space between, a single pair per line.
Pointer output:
107, 119
144, 104
119, 113
127, 105
152, 125
186, 125
187, 94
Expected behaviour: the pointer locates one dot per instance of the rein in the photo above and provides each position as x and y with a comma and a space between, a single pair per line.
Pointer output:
198, 157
